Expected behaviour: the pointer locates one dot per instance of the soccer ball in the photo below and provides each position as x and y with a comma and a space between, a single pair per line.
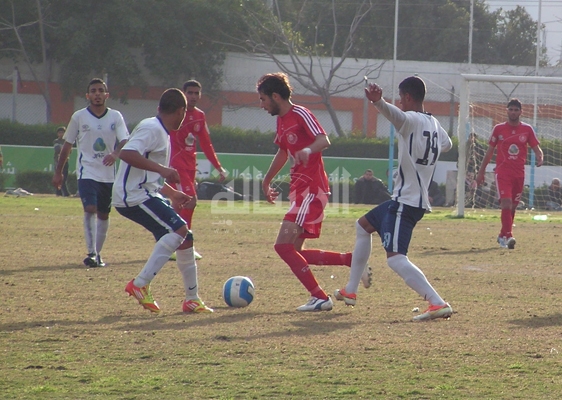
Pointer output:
238, 291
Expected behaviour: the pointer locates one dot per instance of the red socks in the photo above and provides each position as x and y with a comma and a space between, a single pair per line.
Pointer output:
300, 268
321, 257
507, 222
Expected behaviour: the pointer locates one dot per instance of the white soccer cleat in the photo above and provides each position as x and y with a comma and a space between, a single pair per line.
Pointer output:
316, 304
502, 242
434, 312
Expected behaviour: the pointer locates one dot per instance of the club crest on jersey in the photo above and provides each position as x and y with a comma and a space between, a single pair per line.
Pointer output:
197, 127
291, 138
189, 139
99, 145
112, 127
522, 138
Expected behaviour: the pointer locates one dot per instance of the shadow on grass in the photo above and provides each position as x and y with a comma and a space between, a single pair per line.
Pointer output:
539, 322
78, 266
472, 250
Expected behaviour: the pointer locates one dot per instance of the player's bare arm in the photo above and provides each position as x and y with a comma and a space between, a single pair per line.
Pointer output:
276, 164
110, 159
539, 156
178, 198
482, 171
135, 159
320, 143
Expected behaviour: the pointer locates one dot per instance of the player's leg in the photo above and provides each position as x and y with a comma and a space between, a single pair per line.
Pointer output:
102, 221
88, 195
64, 186
185, 258
323, 257
168, 230
303, 220
505, 193
364, 228
517, 191
396, 232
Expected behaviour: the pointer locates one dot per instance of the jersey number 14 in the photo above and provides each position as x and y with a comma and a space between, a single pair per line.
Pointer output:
430, 145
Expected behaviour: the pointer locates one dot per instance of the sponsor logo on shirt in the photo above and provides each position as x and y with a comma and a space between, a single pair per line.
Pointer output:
99, 146
189, 140
85, 128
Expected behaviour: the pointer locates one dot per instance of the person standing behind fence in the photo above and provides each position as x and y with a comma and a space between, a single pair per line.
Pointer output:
370, 190
511, 139
301, 141
184, 149
57, 145
99, 133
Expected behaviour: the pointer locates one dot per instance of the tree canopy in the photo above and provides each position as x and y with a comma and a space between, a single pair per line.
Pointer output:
174, 40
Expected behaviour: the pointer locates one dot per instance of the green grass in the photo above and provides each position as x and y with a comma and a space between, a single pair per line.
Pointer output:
67, 332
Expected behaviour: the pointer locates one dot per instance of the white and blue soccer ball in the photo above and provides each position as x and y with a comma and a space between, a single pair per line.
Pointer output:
238, 291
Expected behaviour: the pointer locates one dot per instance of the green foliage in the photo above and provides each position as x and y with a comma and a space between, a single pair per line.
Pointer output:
35, 181
15, 133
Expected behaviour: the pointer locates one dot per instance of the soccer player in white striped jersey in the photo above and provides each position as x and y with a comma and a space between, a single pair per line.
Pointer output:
421, 139
99, 133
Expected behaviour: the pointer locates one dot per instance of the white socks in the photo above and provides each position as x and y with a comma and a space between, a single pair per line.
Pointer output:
188, 268
90, 231
359, 258
414, 278
160, 255
101, 233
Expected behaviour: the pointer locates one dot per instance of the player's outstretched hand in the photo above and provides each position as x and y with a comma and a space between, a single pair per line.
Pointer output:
373, 92
180, 199
222, 175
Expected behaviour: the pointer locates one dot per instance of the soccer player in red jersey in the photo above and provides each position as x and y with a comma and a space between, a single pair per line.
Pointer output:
301, 140
511, 139
184, 148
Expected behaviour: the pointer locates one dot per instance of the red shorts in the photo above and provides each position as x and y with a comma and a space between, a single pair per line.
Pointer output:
307, 211
187, 182
510, 187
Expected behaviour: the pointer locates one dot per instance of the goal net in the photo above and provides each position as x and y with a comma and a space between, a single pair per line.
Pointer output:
483, 104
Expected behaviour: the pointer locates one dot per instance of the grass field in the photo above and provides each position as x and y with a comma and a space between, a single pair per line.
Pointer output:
67, 332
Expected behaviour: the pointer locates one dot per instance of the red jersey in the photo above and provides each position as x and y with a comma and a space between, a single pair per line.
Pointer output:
183, 141
511, 144
296, 130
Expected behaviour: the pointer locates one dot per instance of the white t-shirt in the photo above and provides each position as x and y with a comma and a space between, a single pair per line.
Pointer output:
421, 139
95, 138
132, 185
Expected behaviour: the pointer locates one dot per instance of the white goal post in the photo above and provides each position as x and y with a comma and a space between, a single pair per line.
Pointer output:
482, 104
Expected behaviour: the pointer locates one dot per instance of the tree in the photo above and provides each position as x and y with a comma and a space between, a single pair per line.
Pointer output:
25, 22
281, 29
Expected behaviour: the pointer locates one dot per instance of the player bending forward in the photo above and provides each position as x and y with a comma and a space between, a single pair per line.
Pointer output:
421, 140
137, 196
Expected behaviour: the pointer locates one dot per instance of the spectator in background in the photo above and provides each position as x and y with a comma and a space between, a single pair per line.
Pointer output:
370, 189
57, 144
554, 201
436, 198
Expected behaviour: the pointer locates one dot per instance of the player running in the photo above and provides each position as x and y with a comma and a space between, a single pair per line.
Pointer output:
421, 139
301, 140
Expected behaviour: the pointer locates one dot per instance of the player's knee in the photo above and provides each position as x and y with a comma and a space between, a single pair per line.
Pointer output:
283, 248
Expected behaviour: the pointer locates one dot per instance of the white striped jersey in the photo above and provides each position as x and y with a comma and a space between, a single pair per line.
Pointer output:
421, 139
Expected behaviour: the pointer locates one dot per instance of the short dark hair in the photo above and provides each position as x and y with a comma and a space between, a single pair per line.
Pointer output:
61, 128
514, 102
275, 83
190, 83
171, 100
414, 86
95, 81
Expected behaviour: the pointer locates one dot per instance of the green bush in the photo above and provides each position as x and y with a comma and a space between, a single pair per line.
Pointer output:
35, 181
